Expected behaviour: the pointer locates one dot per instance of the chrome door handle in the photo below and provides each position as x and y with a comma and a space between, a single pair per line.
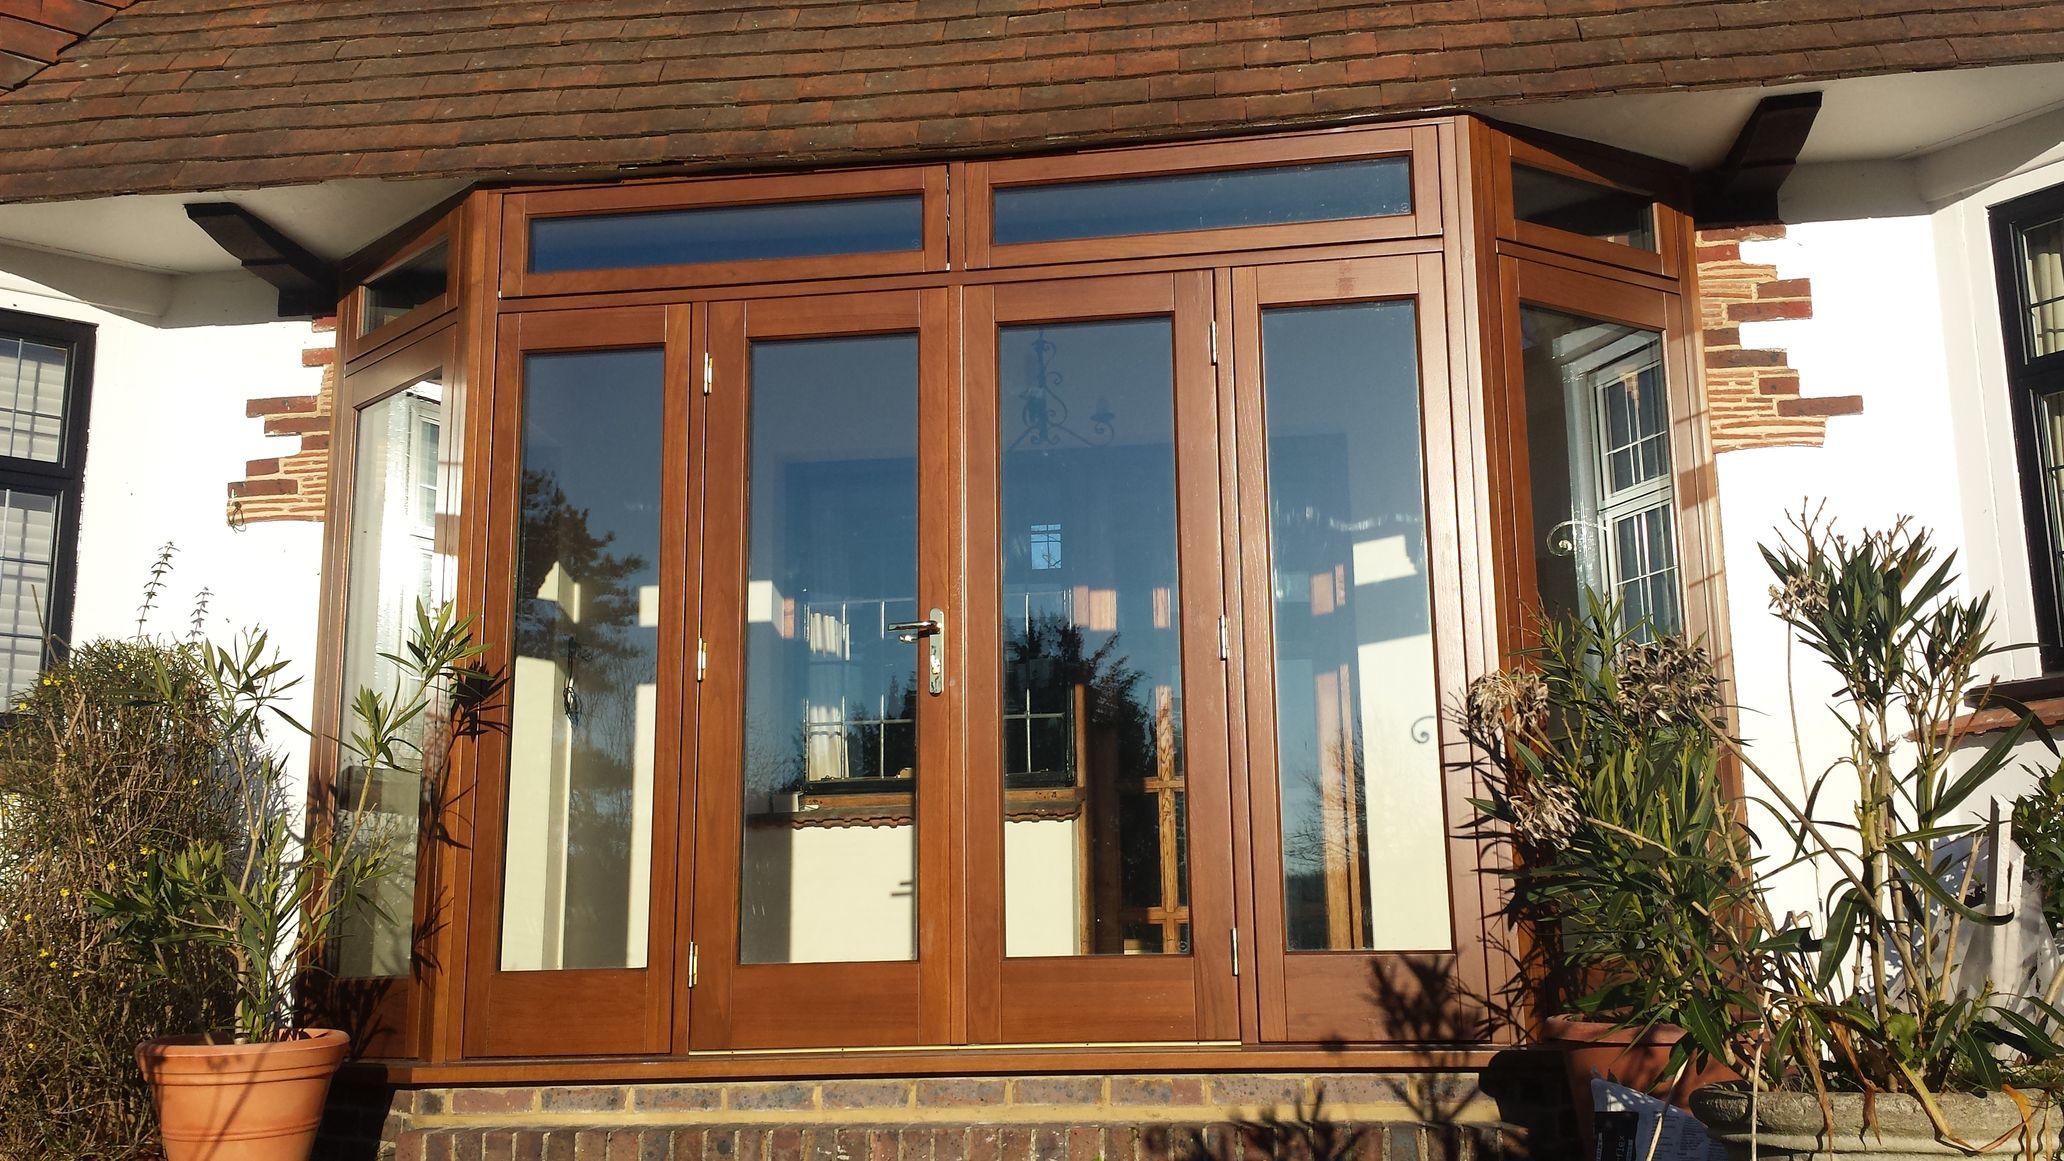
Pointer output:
932, 631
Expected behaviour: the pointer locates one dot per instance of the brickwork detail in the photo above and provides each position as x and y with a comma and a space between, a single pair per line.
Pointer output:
1753, 392
1239, 1117
294, 486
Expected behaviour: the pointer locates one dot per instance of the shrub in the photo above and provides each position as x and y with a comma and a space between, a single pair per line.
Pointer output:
96, 776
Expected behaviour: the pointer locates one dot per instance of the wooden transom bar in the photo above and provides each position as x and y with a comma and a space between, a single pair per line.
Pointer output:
996, 615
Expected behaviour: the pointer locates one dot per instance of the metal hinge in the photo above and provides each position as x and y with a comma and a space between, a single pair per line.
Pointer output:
701, 659
1214, 343
1225, 641
695, 958
1236, 953
709, 372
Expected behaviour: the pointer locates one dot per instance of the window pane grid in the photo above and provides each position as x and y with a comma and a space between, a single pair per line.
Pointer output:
28, 556
32, 400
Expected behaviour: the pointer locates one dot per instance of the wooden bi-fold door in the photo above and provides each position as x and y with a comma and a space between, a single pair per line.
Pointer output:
824, 881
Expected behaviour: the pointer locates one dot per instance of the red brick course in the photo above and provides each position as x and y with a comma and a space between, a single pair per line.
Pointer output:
196, 94
295, 485
1752, 394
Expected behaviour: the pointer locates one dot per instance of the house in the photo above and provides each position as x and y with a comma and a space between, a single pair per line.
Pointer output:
983, 508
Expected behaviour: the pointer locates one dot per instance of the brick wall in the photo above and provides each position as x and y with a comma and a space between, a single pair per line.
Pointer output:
1518, 1112
295, 485
1753, 392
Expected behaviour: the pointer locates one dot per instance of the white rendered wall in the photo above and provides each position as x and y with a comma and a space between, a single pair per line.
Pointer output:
166, 436
1876, 332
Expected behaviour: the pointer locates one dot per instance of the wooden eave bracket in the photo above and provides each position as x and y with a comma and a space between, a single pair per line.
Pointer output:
307, 284
1742, 189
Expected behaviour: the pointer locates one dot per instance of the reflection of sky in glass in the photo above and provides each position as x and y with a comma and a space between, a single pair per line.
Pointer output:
1323, 191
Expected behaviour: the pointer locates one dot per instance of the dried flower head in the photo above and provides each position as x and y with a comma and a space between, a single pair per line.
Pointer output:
1508, 700
1545, 814
1666, 681
1801, 595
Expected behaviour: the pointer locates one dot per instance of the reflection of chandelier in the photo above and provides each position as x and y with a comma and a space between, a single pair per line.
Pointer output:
1045, 412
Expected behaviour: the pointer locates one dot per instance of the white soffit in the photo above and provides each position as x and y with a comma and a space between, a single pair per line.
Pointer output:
151, 231
1884, 118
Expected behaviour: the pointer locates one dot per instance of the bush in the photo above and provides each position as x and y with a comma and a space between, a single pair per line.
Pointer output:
96, 775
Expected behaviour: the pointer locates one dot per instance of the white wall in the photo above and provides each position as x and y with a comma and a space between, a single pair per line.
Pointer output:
167, 434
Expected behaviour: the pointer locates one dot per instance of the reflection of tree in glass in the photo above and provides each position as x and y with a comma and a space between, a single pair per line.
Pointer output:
605, 655
1325, 832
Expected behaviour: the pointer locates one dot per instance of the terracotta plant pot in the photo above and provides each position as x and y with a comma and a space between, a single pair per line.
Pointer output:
241, 1102
1638, 1059
1792, 1125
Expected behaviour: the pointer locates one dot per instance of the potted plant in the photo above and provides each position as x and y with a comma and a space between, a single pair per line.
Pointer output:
267, 903
1883, 1030
1626, 876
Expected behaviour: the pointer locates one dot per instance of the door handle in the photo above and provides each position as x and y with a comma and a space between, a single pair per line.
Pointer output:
932, 631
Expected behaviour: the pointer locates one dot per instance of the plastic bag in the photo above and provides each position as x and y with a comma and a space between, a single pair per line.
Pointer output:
1626, 1120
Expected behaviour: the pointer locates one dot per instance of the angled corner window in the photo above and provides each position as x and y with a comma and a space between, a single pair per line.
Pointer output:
404, 499
1575, 206
1598, 443
1322, 191
420, 280
45, 373
703, 235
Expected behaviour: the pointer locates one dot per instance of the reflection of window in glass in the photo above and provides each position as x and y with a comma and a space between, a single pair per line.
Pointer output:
1561, 202
1046, 546
1598, 437
1364, 832
584, 692
400, 484
1095, 857
831, 698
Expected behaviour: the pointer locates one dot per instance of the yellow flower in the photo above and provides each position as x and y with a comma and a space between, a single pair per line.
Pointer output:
143, 850
44, 953
64, 892
26, 917
89, 840
32, 1046
111, 864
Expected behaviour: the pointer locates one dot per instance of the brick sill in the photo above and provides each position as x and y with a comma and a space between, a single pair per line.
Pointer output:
922, 1062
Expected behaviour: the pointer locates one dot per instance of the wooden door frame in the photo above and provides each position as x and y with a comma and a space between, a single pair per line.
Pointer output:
1186, 998
627, 1009
1325, 995
873, 1003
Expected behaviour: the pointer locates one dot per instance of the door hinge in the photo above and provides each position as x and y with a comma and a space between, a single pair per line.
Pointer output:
701, 659
1225, 641
709, 372
1236, 953
1214, 343
695, 958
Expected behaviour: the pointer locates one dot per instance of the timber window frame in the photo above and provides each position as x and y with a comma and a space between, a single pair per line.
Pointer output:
701, 1005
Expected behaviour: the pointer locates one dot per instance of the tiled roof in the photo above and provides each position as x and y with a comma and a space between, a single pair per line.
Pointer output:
175, 95
33, 32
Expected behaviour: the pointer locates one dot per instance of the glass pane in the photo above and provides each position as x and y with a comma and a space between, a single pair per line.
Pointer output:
1324, 191
1358, 756
399, 501
1561, 202
877, 225
32, 400
28, 556
2042, 287
1598, 445
406, 287
1094, 851
2050, 434
584, 698
829, 866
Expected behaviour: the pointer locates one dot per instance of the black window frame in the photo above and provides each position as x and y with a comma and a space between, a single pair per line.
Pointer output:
64, 479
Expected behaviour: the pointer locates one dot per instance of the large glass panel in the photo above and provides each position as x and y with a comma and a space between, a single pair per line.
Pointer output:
32, 400
874, 225
402, 497
829, 871
2042, 287
584, 695
1358, 755
421, 279
1324, 191
28, 560
2049, 416
1094, 850
1598, 442
1561, 202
